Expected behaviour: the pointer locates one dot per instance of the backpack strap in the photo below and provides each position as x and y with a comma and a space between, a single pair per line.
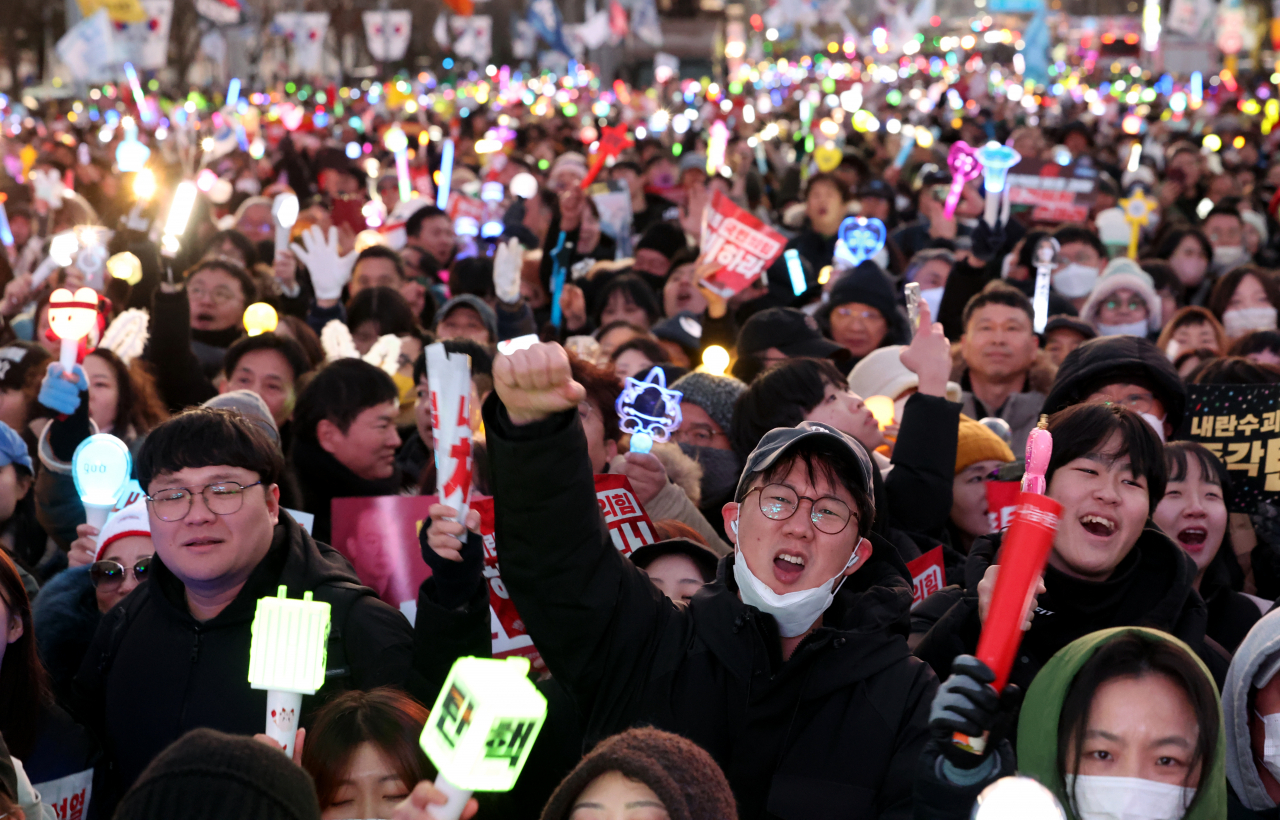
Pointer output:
342, 597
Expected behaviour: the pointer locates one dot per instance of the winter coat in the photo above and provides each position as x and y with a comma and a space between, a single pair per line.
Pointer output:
1151, 587
323, 478
65, 616
153, 671
1260, 648
177, 358
833, 731
1021, 410
1118, 360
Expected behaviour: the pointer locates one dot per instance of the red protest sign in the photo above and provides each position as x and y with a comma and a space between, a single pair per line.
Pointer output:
739, 243
1054, 193
1002, 502
629, 528
379, 536
927, 575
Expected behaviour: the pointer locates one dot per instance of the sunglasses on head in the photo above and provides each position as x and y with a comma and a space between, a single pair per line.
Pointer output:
107, 574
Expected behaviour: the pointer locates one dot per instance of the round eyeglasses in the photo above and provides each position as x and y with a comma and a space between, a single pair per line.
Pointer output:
222, 498
779, 502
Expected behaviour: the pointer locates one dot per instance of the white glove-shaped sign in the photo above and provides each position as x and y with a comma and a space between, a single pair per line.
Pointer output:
507, 261
329, 271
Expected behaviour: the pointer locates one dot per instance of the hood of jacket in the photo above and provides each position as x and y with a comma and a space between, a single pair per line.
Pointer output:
1259, 648
294, 560
1038, 722
1118, 360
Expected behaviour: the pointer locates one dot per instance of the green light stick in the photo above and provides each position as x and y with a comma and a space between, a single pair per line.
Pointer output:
481, 729
287, 658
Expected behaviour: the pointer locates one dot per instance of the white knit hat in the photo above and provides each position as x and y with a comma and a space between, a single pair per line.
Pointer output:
1123, 272
131, 520
882, 373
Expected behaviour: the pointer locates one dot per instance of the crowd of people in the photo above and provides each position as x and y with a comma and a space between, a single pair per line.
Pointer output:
764, 653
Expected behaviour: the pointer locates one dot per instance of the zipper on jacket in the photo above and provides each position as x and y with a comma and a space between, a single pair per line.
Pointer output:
195, 647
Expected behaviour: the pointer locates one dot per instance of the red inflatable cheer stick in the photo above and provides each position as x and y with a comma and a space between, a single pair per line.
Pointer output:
613, 141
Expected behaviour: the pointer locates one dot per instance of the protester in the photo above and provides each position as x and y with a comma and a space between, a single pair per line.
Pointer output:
860, 314
777, 334
1192, 328
979, 455
1245, 299
1063, 334
1123, 302
1249, 707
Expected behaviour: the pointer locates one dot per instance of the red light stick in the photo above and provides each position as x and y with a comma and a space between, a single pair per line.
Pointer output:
613, 140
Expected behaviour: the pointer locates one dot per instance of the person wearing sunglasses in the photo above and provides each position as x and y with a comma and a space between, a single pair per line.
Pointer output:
124, 555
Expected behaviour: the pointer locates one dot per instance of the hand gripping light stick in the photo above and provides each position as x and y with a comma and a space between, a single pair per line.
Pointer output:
284, 210
100, 468
287, 658
481, 729
996, 161
648, 410
71, 317
1023, 554
964, 165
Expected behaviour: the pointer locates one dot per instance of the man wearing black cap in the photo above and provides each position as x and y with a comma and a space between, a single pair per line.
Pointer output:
777, 334
654, 252
790, 669
877, 200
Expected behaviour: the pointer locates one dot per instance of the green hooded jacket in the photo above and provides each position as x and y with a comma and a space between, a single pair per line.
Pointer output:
1038, 723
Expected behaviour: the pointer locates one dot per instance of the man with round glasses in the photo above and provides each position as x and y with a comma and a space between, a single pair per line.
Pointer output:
791, 668
174, 654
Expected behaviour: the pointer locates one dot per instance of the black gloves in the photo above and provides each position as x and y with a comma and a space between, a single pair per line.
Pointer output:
967, 703
456, 582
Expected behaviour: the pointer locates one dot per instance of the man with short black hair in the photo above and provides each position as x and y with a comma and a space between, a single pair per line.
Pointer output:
429, 229
345, 438
173, 656
1081, 257
267, 364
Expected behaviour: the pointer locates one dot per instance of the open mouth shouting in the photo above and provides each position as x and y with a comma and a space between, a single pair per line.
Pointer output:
788, 566
1098, 525
1192, 538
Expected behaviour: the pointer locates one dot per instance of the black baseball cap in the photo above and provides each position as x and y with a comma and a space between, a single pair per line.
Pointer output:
792, 331
876, 188
702, 557
777, 441
1064, 322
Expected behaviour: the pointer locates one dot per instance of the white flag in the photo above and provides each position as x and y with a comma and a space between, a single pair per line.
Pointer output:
472, 37
305, 32
86, 49
388, 33
145, 43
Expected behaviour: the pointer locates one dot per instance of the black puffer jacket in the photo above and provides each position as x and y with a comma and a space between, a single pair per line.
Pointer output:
153, 672
833, 731
1118, 360
1151, 587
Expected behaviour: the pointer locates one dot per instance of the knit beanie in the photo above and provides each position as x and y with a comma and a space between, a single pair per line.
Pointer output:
1123, 272
976, 443
664, 237
867, 285
683, 776
714, 394
250, 405
130, 520
208, 775
882, 373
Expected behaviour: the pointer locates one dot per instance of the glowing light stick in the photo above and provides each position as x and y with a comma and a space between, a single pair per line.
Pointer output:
482, 727
449, 385
260, 318
1046, 257
716, 146
284, 210
881, 408
908, 145
131, 155
6, 233
71, 317
1023, 554
1137, 212
715, 360
144, 186
996, 161
964, 165
62, 252
648, 410
139, 98
287, 658
446, 175
100, 468
233, 92
125, 266
1017, 798
184, 200
795, 271
398, 144
613, 140
1197, 89
860, 239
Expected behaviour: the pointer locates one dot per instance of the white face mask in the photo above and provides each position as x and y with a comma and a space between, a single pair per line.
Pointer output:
1127, 329
1271, 745
1156, 423
1239, 321
1127, 798
933, 298
1075, 281
1224, 255
795, 612
1189, 269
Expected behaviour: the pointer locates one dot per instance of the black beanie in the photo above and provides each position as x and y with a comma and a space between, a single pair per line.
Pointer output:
681, 773
664, 237
867, 285
208, 775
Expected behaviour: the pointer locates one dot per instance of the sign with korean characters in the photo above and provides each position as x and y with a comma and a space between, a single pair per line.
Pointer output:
739, 243
928, 575
1053, 193
1241, 425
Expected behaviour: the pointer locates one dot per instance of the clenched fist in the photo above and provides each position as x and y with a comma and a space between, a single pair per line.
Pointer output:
536, 382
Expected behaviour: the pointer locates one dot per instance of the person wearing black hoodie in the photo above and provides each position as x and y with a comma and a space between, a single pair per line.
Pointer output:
1107, 568
812, 704
346, 439
174, 654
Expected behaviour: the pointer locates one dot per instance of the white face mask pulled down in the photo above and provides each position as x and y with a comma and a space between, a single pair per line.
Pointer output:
795, 612
1127, 798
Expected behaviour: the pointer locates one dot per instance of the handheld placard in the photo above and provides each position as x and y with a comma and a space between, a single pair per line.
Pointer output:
860, 238
71, 317
795, 271
648, 410
284, 210
260, 318
482, 727
964, 165
1046, 257
996, 161
287, 658
449, 385
100, 468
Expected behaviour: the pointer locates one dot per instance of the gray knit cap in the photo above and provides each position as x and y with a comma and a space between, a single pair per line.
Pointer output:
714, 394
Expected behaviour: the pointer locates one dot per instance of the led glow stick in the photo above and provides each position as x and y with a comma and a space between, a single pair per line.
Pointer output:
398, 144
131, 155
648, 410
287, 658
860, 239
446, 175
100, 468
716, 146
613, 140
964, 165
139, 98
1046, 258
260, 318
284, 210
126, 266
996, 161
482, 727
71, 317
184, 200
908, 145
62, 251
1137, 212
795, 271
6, 233
715, 360
449, 383
1197, 89
233, 92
